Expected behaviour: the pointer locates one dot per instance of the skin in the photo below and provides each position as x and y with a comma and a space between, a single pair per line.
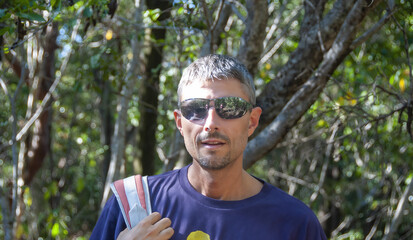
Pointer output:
217, 147
153, 227
217, 144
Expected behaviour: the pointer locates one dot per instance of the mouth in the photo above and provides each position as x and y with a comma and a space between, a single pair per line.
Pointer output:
212, 143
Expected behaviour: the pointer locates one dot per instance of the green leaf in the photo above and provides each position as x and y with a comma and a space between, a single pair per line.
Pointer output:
87, 12
409, 178
31, 17
154, 14
391, 80
80, 185
55, 230
94, 60
77, 87
4, 30
55, 3
2, 12
92, 163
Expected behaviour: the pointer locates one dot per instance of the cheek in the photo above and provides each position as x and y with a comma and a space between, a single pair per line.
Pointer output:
239, 133
189, 134
190, 142
189, 137
245, 129
242, 140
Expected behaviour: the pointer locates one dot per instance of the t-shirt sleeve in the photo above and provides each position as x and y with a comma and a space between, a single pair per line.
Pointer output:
110, 222
314, 230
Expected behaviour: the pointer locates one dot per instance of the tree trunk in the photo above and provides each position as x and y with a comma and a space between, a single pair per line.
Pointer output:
131, 79
254, 34
106, 118
149, 91
39, 142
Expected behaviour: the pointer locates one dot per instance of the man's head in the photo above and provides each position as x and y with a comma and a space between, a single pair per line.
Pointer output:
216, 113
217, 68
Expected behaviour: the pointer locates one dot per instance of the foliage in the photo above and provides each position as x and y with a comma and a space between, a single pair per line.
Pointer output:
356, 114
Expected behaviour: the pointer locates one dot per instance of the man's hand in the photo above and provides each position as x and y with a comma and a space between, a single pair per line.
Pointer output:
150, 228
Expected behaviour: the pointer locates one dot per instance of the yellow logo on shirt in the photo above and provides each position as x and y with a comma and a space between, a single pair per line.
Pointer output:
198, 235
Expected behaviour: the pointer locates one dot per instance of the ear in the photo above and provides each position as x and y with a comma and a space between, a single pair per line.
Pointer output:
178, 120
254, 120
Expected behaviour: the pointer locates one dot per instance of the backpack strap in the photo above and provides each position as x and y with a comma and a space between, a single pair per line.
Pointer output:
132, 194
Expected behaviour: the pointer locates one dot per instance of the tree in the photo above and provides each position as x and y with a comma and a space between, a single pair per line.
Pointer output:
149, 90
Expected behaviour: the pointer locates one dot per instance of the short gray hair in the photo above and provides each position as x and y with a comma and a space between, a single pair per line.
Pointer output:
217, 67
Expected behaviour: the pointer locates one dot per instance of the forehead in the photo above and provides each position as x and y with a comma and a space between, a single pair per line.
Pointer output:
214, 89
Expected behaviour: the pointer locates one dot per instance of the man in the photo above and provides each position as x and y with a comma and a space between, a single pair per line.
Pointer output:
214, 198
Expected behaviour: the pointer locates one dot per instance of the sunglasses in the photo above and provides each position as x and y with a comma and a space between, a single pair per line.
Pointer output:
196, 109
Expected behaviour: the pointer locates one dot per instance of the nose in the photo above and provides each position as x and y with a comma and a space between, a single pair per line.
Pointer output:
211, 121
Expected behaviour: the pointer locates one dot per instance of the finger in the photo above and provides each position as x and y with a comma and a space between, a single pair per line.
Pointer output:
123, 234
152, 218
163, 223
167, 233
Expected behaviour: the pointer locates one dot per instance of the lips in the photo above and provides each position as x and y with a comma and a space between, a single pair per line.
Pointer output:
212, 142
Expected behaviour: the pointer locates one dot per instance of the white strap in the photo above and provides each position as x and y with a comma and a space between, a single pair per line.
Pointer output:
131, 191
147, 194
112, 186
136, 212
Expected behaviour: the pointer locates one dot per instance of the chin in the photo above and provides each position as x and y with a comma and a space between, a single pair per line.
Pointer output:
207, 164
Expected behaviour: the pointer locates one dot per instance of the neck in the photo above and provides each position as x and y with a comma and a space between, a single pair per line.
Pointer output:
231, 183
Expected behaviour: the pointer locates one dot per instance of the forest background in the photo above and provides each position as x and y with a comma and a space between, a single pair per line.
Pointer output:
88, 90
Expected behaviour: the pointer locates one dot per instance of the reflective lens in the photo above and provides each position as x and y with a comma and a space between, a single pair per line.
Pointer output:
196, 109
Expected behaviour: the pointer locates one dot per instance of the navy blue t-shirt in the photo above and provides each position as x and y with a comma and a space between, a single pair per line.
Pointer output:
271, 214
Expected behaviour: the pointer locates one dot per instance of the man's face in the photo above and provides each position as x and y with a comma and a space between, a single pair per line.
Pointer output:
216, 142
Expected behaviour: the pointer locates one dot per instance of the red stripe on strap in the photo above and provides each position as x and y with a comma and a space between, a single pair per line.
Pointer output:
120, 188
141, 192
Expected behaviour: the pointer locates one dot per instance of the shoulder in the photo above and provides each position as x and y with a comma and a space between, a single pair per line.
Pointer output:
164, 180
284, 200
110, 222
287, 205
301, 219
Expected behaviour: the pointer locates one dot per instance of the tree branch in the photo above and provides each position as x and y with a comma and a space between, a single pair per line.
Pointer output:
292, 179
235, 10
410, 101
7, 221
313, 12
213, 37
304, 60
40, 28
118, 139
374, 29
220, 7
4, 86
206, 12
328, 154
15, 64
275, 25
399, 211
254, 34
301, 101
52, 88
280, 39
12, 211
